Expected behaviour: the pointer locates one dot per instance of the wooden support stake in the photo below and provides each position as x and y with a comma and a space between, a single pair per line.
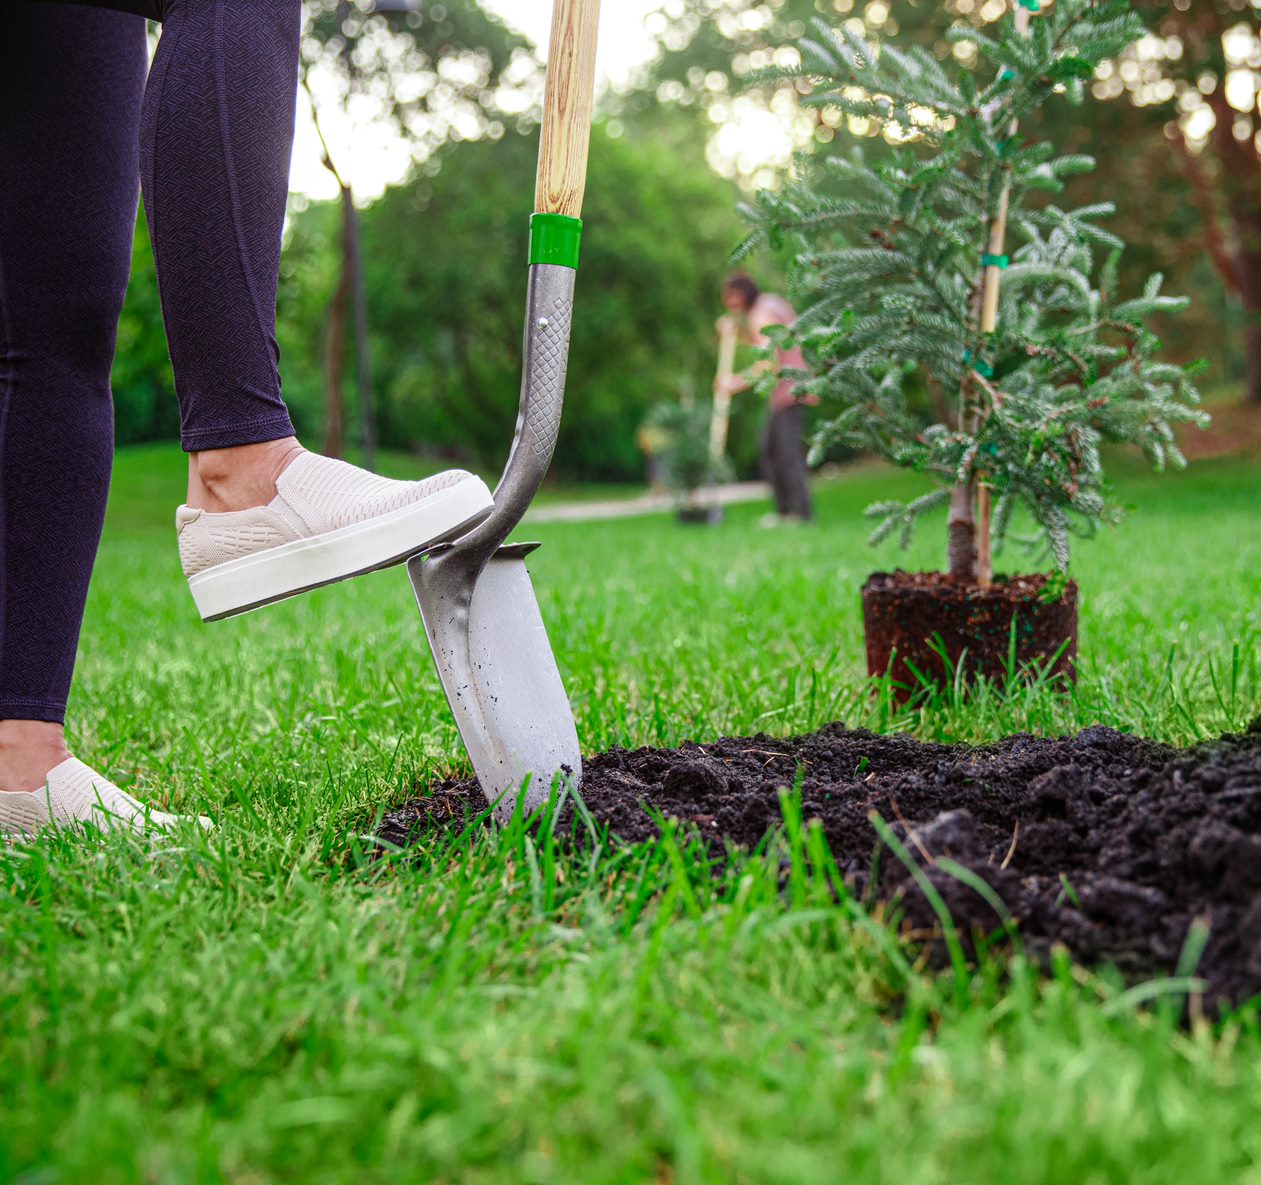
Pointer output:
998, 228
984, 546
991, 291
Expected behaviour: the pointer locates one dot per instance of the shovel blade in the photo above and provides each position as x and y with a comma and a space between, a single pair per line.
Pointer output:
499, 674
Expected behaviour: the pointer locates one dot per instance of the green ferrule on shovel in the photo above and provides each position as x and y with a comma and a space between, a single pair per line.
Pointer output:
555, 238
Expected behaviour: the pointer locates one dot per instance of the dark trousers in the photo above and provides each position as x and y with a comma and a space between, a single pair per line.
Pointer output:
784, 461
210, 133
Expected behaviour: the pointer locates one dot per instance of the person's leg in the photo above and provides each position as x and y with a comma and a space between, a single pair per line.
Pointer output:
71, 82
218, 121
216, 135
796, 471
766, 460
215, 144
149, 8
776, 463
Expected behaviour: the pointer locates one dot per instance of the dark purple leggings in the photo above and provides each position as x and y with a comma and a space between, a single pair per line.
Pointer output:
210, 134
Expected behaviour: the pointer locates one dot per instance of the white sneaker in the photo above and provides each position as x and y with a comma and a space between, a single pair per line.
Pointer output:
328, 521
75, 794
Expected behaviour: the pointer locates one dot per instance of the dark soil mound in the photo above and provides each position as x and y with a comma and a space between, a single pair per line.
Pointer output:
1108, 843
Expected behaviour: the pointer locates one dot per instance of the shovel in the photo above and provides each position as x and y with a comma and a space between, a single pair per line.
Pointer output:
475, 596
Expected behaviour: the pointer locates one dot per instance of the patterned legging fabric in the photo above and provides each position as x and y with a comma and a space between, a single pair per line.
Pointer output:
209, 131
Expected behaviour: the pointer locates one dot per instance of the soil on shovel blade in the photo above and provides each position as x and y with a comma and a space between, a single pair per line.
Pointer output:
1110, 844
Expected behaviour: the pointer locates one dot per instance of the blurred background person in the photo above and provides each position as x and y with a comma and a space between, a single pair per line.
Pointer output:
783, 451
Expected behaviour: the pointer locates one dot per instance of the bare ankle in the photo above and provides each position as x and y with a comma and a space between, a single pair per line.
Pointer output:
28, 750
237, 478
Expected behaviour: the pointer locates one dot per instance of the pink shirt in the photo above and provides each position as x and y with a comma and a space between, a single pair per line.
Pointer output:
769, 309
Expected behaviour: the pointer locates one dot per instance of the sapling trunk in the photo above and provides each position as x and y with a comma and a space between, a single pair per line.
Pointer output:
962, 550
984, 554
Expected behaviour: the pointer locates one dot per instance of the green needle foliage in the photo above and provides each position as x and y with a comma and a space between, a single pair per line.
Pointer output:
890, 255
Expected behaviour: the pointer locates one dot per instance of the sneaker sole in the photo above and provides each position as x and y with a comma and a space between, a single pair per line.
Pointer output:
305, 564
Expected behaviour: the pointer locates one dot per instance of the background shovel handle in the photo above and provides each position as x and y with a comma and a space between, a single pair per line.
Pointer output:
567, 102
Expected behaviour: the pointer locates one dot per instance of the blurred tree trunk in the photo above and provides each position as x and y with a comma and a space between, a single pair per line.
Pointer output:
1251, 294
352, 264
349, 295
1241, 181
352, 271
1230, 210
350, 290
334, 352
1229, 196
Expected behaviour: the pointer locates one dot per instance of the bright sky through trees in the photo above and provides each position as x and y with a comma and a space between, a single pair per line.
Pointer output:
373, 155
754, 136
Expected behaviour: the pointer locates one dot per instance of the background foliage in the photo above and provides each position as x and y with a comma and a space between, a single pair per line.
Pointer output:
445, 273
445, 264
444, 250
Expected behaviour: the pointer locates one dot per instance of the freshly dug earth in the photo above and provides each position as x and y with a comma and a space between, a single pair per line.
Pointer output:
1108, 843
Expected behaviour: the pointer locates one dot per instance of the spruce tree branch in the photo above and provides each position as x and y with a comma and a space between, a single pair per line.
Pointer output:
894, 297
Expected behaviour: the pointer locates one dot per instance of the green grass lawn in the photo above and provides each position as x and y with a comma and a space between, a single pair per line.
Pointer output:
265, 1005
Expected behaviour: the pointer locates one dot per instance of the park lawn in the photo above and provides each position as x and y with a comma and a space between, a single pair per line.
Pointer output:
264, 1004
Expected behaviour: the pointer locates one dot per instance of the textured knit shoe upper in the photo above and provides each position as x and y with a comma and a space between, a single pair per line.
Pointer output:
75, 794
314, 495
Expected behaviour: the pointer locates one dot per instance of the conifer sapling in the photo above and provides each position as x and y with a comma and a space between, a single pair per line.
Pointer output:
940, 266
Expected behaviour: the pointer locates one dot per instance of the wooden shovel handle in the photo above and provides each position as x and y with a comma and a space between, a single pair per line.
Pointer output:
720, 418
567, 102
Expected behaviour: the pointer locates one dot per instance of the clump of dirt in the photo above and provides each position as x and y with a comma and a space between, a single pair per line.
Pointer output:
1110, 844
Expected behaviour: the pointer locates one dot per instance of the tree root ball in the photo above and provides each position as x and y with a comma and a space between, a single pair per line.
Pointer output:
997, 631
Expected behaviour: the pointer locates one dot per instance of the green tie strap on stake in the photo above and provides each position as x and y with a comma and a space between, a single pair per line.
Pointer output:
984, 369
1034, 6
1002, 262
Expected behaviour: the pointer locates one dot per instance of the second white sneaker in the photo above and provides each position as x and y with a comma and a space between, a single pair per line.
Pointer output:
329, 521
74, 794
